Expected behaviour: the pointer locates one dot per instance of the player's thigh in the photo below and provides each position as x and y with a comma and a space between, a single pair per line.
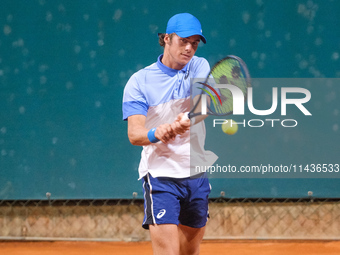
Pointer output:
195, 209
161, 202
164, 239
190, 239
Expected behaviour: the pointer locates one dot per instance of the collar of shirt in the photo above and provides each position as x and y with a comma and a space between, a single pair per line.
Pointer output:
167, 70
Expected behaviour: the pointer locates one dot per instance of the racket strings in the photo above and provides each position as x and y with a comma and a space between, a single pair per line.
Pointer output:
228, 71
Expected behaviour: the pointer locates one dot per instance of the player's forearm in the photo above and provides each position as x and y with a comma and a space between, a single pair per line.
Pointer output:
139, 136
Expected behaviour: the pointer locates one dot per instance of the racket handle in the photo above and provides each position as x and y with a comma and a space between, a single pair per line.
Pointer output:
185, 117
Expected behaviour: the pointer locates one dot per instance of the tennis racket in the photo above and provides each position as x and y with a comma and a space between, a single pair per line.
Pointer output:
214, 96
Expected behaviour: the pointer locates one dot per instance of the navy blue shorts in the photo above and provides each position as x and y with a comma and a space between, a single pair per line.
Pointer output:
176, 201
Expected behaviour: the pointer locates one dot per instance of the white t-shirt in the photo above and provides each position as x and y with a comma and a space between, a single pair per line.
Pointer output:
161, 93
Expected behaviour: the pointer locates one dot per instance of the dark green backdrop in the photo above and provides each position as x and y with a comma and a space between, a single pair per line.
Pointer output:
64, 65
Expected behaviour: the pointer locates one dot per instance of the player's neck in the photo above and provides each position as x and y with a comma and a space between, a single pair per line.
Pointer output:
168, 61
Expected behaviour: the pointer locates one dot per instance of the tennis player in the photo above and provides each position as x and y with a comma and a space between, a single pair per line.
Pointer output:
155, 98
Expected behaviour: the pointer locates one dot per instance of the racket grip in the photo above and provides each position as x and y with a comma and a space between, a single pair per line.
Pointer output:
185, 117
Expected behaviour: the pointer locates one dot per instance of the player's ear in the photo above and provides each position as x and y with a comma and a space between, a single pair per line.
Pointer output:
167, 39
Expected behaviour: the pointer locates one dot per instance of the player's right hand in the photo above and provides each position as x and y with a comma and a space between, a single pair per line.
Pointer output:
165, 133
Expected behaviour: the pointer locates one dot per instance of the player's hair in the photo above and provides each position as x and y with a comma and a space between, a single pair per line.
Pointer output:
161, 38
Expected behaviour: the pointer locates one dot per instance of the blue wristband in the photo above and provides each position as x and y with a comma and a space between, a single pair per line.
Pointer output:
151, 136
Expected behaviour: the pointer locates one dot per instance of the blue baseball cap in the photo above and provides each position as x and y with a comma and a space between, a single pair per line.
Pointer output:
185, 25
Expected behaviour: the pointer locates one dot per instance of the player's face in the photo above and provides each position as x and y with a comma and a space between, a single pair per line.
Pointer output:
179, 51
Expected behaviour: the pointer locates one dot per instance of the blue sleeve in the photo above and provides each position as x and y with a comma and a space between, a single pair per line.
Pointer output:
201, 68
134, 101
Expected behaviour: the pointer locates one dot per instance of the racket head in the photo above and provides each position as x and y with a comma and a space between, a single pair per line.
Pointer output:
230, 70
